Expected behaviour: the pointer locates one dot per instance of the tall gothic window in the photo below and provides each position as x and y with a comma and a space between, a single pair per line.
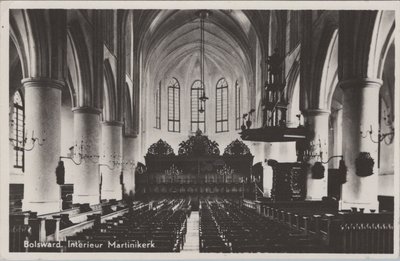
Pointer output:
237, 106
221, 111
197, 117
174, 110
18, 131
158, 106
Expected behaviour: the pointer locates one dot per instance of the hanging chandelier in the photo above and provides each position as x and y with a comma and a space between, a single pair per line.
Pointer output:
202, 14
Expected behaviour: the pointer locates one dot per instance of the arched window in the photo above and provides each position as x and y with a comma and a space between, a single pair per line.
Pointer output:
158, 106
221, 110
174, 110
18, 131
237, 106
198, 118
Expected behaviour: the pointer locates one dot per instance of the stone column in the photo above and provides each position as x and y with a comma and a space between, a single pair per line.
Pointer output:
43, 112
360, 115
317, 120
87, 136
129, 168
281, 152
111, 155
267, 179
271, 152
335, 138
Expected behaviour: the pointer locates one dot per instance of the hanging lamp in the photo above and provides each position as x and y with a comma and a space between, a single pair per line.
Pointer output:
202, 14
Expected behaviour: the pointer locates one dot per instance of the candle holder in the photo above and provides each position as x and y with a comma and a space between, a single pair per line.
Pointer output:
23, 144
386, 137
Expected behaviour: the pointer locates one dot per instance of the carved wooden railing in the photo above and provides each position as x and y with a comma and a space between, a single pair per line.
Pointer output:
28, 226
343, 232
363, 233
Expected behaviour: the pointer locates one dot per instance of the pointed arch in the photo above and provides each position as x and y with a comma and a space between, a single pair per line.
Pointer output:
19, 35
128, 119
293, 76
238, 104
18, 43
293, 92
319, 62
329, 77
364, 41
383, 37
129, 40
79, 65
41, 43
109, 109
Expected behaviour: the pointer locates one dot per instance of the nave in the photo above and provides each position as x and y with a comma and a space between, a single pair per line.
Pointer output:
201, 130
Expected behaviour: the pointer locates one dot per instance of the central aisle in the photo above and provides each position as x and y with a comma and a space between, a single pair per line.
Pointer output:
192, 243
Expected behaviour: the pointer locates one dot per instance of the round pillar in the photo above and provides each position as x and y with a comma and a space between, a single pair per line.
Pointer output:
271, 152
360, 115
281, 152
267, 179
317, 120
42, 121
86, 139
129, 168
110, 160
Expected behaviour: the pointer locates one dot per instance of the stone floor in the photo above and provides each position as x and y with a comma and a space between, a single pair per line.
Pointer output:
192, 236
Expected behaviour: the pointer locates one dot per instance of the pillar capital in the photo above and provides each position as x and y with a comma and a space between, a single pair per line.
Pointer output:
315, 112
361, 83
88, 110
264, 163
112, 123
42, 83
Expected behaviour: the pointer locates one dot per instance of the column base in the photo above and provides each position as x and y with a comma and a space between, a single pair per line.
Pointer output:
82, 199
111, 194
42, 207
316, 189
367, 206
314, 198
267, 193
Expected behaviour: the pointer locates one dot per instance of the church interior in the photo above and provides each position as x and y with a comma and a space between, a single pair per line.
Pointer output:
201, 131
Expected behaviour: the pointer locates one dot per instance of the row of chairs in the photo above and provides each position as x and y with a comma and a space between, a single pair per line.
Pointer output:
163, 227
211, 240
244, 230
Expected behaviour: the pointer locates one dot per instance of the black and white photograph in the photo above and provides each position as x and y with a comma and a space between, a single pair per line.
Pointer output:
199, 129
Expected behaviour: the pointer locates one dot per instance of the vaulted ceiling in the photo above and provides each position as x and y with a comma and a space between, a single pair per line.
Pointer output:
173, 39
